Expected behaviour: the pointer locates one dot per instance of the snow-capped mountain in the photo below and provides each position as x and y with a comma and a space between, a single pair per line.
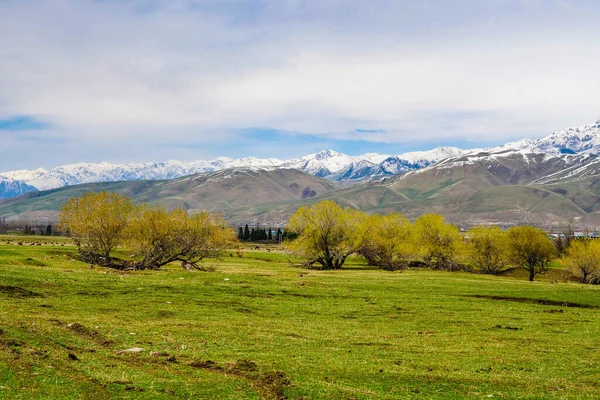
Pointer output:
13, 188
321, 164
337, 166
74, 174
327, 164
429, 156
582, 139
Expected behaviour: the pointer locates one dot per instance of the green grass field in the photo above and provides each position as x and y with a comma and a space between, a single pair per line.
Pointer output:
258, 328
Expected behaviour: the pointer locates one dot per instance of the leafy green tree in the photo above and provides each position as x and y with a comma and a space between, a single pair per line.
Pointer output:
326, 234
583, 259
440, 243
97, 223
531, 249
488, 248
387, 241
246, 232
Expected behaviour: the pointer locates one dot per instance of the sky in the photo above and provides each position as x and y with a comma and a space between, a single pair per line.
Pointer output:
155, 80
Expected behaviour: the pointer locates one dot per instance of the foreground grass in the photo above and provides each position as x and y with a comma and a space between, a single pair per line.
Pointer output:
258, 328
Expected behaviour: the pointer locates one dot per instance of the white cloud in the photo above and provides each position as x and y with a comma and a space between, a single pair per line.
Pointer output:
427, 70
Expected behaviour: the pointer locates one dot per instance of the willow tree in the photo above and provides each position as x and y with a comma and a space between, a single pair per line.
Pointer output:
440, 243
97, 223
488, 248
160, 237
531, 249
326, 234
583, 259
387, 241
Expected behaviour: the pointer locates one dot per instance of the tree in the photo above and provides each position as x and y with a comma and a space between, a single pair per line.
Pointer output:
488, 248
240, 233
161, 237
326, 234
531, 249
97, 223
583, 259
246, 232
439, 242
387, 241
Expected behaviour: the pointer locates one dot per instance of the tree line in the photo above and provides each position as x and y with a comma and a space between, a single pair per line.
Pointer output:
258, 234
324, 235
100, 222
28, 228
327, 234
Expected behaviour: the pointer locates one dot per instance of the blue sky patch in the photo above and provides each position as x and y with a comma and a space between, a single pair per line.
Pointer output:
21, 123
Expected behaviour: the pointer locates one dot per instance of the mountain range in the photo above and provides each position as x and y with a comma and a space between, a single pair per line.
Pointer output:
328, 164
547, 181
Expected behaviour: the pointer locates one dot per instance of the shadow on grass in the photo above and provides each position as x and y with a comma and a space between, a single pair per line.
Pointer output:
544, 302
15, 291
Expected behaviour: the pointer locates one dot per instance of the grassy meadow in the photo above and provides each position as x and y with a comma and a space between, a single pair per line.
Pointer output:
259, 328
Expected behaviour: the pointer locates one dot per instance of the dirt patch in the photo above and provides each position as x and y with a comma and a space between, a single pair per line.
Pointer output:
296, 336
206, 364
165, 314
33, 262
273, 384
88, 333
510, 328
270, 385
101, 294
305, 296
10, 345
544, 302
241, 366
15, 291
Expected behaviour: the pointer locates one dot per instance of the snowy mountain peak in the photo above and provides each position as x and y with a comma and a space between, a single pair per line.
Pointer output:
325, 154
11, 188
375, 158
580, 139
433, 155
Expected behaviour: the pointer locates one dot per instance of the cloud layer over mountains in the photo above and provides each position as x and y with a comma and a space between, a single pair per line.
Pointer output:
130, 81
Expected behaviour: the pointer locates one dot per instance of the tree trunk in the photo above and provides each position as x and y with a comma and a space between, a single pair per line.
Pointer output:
531, 274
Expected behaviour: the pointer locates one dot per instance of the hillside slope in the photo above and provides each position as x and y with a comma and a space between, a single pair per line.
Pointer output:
217, 191
506, 187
